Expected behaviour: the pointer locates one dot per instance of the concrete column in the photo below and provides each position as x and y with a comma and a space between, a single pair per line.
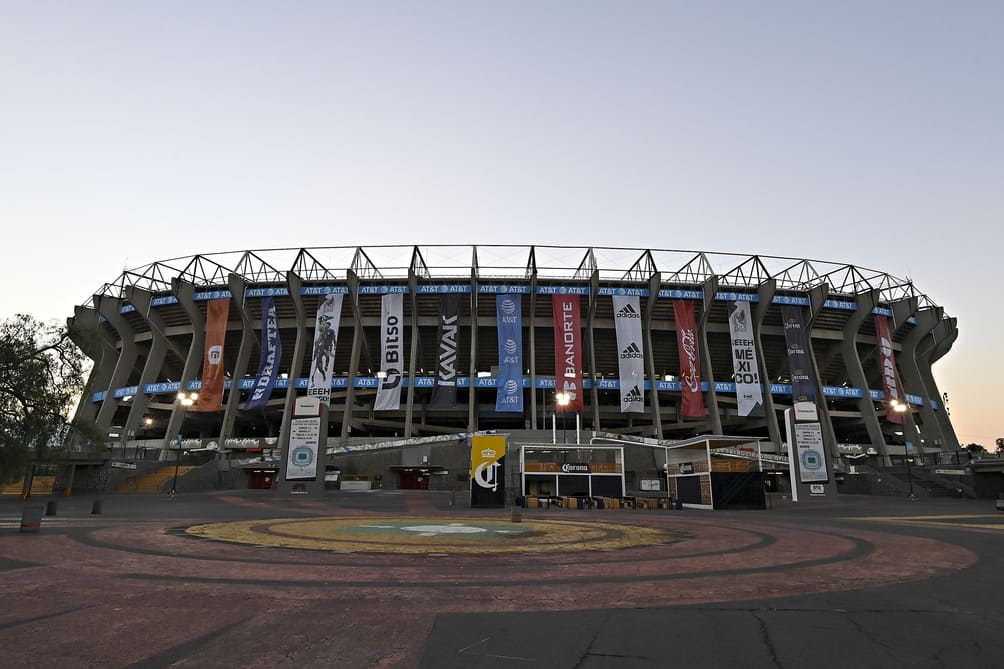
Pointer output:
472, 404
96, 342
124, 365
532, 321
902, 310
358, 339
184, 291
249, 342
936, 345
852, 362
413, 356
765, 291
654, 282
594, 393
817, 300
143, 299
913, 382
710, 289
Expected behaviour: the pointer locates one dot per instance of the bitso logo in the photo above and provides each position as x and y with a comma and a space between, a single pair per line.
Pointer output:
215, 354
631, 351
508, 306
628, 311
510, 346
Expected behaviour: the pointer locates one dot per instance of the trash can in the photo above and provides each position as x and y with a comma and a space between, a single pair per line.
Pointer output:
50, 507
31, 518
96, 507
679, 505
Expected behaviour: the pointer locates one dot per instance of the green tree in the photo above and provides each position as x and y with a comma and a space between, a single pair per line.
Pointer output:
974, 449
1000, 446
41, 377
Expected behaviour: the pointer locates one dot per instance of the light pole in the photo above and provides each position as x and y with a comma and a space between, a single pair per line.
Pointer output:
562, 400
185, 400
901, 408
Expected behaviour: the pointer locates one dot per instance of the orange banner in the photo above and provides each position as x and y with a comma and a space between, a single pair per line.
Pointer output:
211, 394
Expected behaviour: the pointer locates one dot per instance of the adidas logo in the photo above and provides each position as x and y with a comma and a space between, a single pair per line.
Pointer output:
631, 351
628, 311
633, 395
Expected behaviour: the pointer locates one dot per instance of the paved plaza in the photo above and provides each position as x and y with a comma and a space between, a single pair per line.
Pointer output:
411, 579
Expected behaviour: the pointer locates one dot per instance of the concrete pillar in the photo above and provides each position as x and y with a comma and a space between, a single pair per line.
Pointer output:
902, 311
936, 345
184, 291
124, 364
710, 289
249, 342
472, 404
142, 300
654, 282
852, 363
532, 322
96, 342
594, 393
358, 340
817, 300
765, 291
413, 356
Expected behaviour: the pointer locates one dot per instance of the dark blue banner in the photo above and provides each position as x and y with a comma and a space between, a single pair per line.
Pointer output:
509, 394
803, 383
271, 355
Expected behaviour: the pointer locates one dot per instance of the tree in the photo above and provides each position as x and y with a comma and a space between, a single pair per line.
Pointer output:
1000, 446
41, 376
974, 449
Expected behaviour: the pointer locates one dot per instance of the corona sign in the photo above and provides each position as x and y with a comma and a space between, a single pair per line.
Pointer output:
488, 471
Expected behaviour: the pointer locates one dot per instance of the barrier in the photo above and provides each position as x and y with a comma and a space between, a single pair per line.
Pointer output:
31, 518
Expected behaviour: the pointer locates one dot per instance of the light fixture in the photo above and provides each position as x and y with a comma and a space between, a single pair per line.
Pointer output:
381, 374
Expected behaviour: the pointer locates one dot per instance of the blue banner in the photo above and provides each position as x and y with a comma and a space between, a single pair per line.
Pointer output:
509, 393
803, 381
271, 354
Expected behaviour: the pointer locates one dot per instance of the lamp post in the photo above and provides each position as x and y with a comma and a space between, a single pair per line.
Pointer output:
901, 408
562, 400
185, 400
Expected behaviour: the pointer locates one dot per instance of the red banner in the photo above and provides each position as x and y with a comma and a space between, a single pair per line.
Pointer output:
890, 379
568, 349
690, 361
211, 394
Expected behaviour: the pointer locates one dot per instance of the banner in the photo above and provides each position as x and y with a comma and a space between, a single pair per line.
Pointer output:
749, 394
890, 379
803, 382
271, 355
322, 360
631, 360
304, 434
488, 471
444, 395
690, 361
567, 349
211, 393
509, 389
388, 396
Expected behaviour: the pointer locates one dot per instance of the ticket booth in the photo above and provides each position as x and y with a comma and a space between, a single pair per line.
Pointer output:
557, 470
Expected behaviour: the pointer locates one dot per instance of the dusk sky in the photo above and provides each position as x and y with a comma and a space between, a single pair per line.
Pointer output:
867, 133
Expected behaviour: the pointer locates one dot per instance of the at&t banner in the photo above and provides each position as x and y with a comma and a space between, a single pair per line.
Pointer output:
567, 349
803, 383
890, 379
488, 471
271, 354
211, 393
444, 395
749, 394
322, 360
509, 391
631, 359
388, 396
690, 361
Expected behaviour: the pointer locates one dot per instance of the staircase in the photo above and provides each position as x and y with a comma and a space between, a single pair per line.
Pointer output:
40, 485
936, 489
153, 482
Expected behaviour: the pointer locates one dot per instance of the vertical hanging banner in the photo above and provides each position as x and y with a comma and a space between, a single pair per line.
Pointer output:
322, 360
803, 382
211, 393
271, 355
690, 361
749, 394
890, 379
388, 396
488, 471
444, 395
567, 349
631, 359
509, 388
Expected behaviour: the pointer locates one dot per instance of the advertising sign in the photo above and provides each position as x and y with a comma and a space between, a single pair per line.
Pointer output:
509, 391
810, 453
444, 395
211, 392
568, 349
890, 379
388, 396
630, 359
690, 362
301, 462
322, 360
749, 394
271, 354
488, 471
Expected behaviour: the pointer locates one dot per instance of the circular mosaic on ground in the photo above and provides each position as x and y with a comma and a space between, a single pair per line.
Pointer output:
433, 535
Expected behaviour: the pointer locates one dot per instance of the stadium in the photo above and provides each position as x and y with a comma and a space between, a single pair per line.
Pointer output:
407, 349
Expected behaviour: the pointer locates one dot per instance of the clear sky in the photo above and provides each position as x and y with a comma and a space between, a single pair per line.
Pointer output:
867, 132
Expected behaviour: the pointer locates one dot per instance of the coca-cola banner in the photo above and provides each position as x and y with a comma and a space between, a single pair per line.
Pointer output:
803, 383
211, 392
444, 395
567, 349
690, 361
749, 394
890, 379
391, 352
630, 358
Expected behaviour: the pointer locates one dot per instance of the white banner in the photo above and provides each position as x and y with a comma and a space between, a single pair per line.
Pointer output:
322, 359
749, 394
302, 460
631, 358
391, 352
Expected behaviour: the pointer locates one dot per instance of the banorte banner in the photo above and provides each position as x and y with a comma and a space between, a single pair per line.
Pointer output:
322, 359
890, 379
568, 349
488, 471
211, 393
690, 361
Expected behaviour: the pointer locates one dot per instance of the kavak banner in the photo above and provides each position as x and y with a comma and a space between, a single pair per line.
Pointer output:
488, 471
690, 361
890, 379
271, 355
509, 387
749, 394
444, 395
567, 349
388, 396
803, 383
631, 359
211, 393
322, 360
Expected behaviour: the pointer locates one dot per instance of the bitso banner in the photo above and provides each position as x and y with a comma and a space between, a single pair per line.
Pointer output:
890, 379
567, 349
631, 359
803, 383
271, 355
509, 387
444, 395
488, 471
322, 360
391, 352
749, 394
690, 361
211, 394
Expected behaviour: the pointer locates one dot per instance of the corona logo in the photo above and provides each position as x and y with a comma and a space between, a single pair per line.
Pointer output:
488, 454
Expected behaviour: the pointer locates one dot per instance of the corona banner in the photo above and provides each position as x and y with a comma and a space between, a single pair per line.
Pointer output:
568, 349
211, 393
803, 382
488, 471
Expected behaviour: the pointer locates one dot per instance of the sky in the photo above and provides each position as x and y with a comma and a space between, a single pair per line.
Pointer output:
866, 133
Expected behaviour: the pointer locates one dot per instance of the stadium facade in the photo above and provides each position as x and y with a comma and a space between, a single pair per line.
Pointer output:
406, 342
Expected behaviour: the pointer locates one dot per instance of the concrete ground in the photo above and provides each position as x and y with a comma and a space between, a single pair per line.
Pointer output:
404, 579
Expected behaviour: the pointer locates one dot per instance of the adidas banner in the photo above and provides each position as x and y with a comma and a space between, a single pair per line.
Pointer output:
567, 349
271, 354
631, 360
890, 379
211, 393
803, 384
509, 390
690, 362
322, 359
444, 395
391, 352
749, 394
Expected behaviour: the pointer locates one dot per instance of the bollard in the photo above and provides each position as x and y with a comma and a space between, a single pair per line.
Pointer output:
96, 507
517, 514
50, 507
31, 519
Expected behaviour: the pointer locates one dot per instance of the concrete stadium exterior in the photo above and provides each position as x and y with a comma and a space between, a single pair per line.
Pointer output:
145, 332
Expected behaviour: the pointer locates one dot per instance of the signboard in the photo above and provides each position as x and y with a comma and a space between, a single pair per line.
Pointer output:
686, 467
575, 468
301, 462
810, 454
488, 471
